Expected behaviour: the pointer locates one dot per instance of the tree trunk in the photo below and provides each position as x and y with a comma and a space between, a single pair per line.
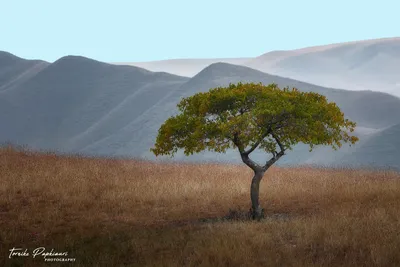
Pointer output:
256, 211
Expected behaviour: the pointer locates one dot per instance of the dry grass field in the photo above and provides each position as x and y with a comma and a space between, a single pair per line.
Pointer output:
117, 212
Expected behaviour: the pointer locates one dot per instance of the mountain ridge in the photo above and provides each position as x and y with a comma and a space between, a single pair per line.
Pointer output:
341, 65
80, 105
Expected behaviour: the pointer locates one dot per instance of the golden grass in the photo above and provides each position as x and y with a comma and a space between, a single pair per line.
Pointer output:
108, 212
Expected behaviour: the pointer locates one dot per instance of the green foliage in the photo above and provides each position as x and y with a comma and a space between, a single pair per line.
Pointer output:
250, 116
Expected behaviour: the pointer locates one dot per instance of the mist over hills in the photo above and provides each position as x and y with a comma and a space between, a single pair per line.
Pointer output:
184, 67
369, 109
370, 64
373, 111
382, 149
77, 99
361, 65
79, 105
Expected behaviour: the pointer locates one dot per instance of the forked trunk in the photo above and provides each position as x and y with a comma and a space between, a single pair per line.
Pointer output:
257, 212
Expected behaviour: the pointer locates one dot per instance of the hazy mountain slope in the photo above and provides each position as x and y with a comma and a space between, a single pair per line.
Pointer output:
81, 105
360, 65
369, 64
381, 150
15, 70
369, 109
191, 67
183, 67
220, 74
76, 101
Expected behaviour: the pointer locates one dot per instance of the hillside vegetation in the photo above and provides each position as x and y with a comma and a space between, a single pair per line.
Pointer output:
119, 212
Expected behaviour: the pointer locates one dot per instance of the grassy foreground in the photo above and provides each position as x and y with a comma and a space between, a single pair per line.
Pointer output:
107, 212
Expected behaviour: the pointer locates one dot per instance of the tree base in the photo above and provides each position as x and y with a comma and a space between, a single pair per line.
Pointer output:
257, 214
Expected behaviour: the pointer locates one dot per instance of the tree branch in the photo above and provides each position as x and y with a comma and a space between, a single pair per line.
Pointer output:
278, 142
269, 131
276, 156
237, 142
245, 153
246, 160
245, 157
256, 144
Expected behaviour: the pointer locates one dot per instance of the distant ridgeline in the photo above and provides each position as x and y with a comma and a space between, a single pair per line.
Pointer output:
79, 105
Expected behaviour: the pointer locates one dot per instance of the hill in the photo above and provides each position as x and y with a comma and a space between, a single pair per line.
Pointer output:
183, 67
15, 70
362, 65
371, 110
76, 101
79, 105
368, 108
382, 149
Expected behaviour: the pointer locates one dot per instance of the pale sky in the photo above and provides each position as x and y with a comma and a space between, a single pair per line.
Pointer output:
145, 30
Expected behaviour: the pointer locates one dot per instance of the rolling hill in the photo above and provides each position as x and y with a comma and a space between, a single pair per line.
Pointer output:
76, 101
380, 150
80, 105
371, 110
360, 65
183, 67
370, 64
15, 70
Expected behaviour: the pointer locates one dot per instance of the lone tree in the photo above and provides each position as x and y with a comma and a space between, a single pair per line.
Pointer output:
253, 116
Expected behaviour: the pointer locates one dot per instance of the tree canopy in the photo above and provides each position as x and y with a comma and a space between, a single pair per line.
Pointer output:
250, 116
